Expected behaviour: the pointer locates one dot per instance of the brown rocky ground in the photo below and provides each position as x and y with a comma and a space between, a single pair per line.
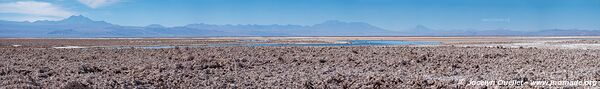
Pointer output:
291, 67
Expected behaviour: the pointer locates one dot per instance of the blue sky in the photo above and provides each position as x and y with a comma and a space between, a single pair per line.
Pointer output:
388, 14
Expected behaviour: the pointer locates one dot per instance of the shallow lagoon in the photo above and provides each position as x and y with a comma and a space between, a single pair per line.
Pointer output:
340, 43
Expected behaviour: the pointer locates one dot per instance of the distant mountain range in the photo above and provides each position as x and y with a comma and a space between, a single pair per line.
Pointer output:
80, 26
421, 30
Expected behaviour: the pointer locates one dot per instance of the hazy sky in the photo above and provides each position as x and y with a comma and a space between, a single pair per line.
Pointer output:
388, 14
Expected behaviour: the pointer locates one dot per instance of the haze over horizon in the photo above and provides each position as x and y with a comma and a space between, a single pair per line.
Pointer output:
395, 15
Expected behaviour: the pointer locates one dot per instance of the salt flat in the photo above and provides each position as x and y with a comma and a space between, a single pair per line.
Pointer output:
451, 64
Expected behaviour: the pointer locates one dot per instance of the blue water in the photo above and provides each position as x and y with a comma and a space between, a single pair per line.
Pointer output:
346, 43
349, 43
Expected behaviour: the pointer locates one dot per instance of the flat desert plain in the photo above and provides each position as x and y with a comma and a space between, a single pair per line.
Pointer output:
456, 62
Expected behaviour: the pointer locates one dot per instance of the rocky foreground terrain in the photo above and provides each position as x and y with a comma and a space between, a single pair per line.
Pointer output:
291, 67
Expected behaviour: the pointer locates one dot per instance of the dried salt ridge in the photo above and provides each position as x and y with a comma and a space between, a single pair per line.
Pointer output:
569, 44
69, 47
292, 67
